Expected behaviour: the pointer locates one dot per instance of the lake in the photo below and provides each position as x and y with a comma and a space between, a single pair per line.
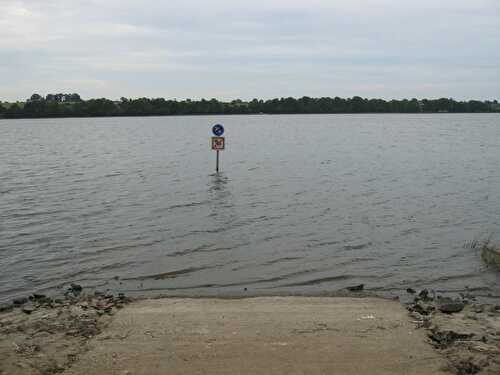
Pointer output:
303, 204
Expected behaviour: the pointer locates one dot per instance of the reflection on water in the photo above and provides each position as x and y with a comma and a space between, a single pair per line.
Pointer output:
222, 211
218, 189
304, 204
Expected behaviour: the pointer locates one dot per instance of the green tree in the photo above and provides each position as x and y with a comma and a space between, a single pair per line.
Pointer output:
14, 111
35, 98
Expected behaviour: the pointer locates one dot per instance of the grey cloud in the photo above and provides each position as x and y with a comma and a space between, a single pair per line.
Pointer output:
227, 49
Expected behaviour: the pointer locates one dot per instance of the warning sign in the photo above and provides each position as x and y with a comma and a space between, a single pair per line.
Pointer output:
218, 143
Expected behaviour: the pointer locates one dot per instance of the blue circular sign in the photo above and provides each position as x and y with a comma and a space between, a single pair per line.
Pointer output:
218, 130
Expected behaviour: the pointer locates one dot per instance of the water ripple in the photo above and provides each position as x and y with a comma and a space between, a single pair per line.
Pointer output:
133, 204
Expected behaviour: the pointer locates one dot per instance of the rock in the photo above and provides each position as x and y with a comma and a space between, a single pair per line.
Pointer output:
44, 301
356, 288
466, 367
451, 307
484, 348
421, 308
424, 295
443, 339
426, 323
37, 296
20, 301
478, 309
27, 348
123, 298
467, 297
417, 316
6, 308
75, 288
22, 365
471, 316
28, 309
410, 291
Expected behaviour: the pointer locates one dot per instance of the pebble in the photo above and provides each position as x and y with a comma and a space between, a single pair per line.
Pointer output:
451, 307
417, 316
471, 316
424, 295
37, 296
478, 309
5, 309
421, 308
28, 309
74, 289
356, 288
20, 301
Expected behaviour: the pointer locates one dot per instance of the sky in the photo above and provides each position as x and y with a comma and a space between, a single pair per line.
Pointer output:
250, 49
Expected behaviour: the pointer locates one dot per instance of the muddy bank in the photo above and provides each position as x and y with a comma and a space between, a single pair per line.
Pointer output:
79, 333
465, 332
41, 335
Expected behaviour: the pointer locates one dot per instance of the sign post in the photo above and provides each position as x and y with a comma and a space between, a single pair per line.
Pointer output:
218, 142
217, 162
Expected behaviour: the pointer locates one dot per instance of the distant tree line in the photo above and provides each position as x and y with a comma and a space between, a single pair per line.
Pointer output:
71, 105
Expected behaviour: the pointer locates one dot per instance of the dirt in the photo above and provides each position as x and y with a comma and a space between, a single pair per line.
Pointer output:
43, 336
467, 336
82, 334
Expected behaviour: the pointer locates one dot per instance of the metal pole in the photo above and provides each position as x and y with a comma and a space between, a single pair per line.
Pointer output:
217, 163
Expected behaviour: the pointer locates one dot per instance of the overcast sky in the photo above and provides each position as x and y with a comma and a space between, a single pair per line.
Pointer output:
255, 48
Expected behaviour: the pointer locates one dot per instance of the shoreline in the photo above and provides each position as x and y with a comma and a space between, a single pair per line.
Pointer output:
252, 114
400, 295
47, 335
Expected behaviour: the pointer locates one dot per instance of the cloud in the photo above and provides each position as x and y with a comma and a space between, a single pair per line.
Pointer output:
227, 49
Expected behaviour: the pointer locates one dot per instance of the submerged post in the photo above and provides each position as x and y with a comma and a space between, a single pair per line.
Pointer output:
218, 142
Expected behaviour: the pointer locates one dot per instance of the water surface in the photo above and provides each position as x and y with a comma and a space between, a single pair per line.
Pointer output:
304, 204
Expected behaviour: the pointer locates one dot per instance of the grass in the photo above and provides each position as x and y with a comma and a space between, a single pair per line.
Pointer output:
490, 253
